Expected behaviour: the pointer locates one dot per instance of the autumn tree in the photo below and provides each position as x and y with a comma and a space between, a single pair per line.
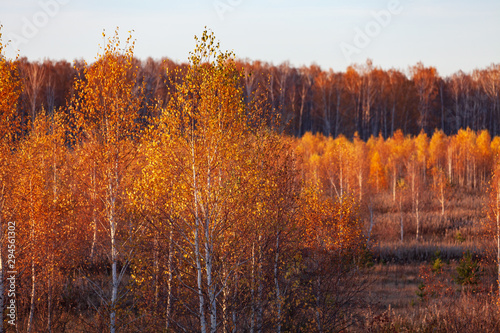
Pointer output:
274, 232
368, 94
460, 88
414, 180
332, 234
360, 166
490, 82
352, 81
398, 96
438, 146
205, 122
377, 155
397, 156
45, 218
33, 75
484, 158
156, 198
440, 187
304, 93
105, 107
462, 149
10, 89
337, 165
425, 80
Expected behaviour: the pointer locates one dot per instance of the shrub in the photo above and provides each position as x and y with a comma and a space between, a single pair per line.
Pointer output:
468, 270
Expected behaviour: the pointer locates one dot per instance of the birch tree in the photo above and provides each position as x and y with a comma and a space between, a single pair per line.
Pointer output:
10, 89
106, 104
205, 122
44, 207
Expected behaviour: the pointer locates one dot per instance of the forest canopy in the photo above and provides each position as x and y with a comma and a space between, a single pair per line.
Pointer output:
364, 98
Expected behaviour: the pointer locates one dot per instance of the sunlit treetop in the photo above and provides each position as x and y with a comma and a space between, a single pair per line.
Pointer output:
107, 101
10, 89
208, 101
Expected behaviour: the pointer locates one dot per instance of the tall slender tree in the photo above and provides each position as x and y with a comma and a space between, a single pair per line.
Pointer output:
205, 122
10, 89
106, 105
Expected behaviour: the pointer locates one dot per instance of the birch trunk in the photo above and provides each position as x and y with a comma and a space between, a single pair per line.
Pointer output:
33, 277
260, 290
94, 213
417, 216
394, 183
277, 285
211, 287
252, 292
370, 208
169, 280
113, 182
442, 201
209, 260
225, 296
156, 269
32, 302
197, 253
49, 295
401, 220
114, 261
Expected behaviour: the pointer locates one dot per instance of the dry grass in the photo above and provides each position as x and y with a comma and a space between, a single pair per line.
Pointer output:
393, 286
464, 313
423, 251
459, 230
395, 306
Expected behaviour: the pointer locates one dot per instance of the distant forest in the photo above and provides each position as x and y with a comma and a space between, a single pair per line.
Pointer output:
364, 99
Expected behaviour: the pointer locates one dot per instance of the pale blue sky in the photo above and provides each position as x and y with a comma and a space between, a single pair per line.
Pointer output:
450, 34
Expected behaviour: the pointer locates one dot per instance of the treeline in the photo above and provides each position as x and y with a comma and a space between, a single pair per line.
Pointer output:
415, 171
365, 99
466, 160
